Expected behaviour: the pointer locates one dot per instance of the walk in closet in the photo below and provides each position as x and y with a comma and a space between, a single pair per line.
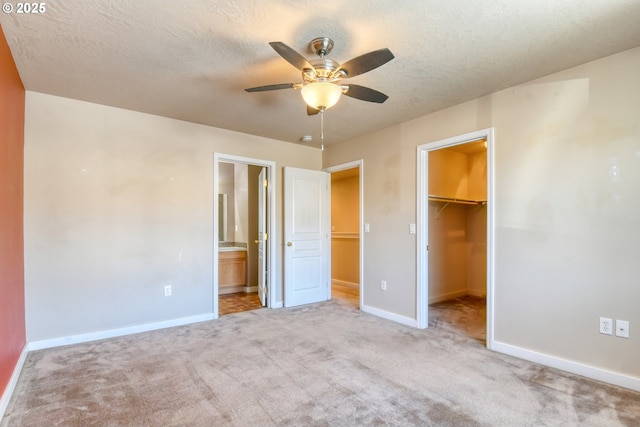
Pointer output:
457, 221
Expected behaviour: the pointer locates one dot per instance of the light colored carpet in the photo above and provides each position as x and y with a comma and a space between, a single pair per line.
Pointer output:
325, 364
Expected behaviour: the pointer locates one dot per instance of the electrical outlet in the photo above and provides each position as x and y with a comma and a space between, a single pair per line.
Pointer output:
606, 326
622, 328
167, 290
383, 285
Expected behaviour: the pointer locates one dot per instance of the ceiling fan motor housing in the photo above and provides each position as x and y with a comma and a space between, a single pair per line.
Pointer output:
323, 70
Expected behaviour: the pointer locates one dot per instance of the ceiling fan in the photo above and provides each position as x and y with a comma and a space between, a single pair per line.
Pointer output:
321, 85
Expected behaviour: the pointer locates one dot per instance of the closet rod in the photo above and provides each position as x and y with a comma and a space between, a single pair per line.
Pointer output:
456, 200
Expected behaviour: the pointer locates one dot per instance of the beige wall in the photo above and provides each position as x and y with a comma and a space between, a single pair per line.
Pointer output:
448, 263
477, 173
449, 174
119, 203
567, 180
345, 204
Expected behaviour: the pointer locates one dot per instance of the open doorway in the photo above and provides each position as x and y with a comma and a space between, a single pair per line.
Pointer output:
458, 236
346, 242
243, 216
238, 237
455, 233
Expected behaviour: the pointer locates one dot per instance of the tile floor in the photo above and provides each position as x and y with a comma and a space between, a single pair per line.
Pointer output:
240, 301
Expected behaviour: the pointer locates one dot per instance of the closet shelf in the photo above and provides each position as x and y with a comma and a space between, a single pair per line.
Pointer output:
345, 235
445, 199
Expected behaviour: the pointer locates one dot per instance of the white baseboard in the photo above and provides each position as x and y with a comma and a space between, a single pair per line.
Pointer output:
112, 333
447, 296
230, 290
249, 289
278, 304
477, 293
390, 316
345, 283
598, 374
13, 381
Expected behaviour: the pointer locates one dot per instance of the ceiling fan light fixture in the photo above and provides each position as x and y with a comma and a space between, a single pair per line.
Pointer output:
321, 95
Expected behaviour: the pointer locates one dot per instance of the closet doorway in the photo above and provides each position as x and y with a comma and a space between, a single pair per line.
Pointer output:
346, 242
455, 224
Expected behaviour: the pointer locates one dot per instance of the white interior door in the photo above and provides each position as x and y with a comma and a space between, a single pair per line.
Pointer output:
307, 217
262, 236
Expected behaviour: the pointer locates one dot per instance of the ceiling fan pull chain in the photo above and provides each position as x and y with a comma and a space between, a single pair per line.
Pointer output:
322, 129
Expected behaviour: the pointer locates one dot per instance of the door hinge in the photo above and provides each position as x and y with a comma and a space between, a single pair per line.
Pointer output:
265, 183
265, 236
266, 290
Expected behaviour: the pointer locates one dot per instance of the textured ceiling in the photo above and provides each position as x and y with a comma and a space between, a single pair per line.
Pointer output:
192, 59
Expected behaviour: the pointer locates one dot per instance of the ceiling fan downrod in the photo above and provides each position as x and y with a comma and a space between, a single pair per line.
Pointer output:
321, 46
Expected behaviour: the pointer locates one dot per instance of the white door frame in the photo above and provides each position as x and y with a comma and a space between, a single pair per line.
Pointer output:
271, 222
263, 188
422, 203
351, 165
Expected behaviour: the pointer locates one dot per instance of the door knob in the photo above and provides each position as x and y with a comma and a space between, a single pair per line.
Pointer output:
289, 244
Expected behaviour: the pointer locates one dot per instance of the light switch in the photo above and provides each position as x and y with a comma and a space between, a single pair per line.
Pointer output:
412, 229
366, 228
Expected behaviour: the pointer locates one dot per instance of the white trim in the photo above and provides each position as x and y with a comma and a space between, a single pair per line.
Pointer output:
345, 283
360, 165
112, 333
345, 235
592, 372
271, 225
250, 289
407, 321
422, 214
457, 294
447, 296
13, 381
491, 234
422, 239
476, 293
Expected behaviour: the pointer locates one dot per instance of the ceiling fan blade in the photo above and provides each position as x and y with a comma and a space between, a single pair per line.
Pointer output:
271, 87
366, 62
311, 111
291, 56
365, 94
